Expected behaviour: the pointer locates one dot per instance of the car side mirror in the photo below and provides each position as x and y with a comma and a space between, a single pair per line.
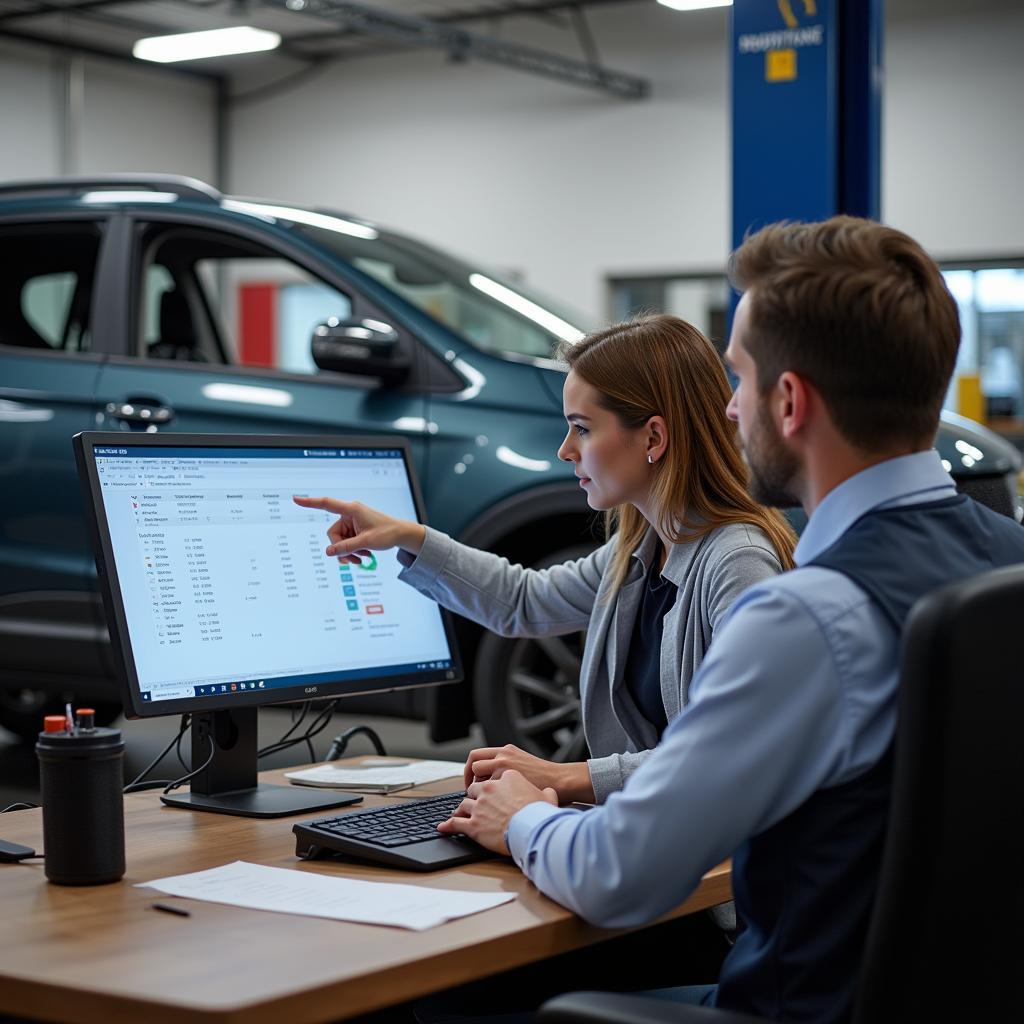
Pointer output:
366, 347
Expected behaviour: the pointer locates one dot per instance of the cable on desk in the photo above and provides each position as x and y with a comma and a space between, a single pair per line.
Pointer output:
340, 742
281, 744
191, 775
21, 805
137, 785
314, 728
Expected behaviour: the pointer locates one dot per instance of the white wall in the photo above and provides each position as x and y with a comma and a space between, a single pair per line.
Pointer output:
571, 186
953, 140
128, 119
30, 127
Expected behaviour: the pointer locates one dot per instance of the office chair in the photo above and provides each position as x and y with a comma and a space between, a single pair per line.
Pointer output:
944, 939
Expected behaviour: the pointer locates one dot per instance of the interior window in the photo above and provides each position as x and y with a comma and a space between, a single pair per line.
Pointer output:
46, 303
46, 277
212, 298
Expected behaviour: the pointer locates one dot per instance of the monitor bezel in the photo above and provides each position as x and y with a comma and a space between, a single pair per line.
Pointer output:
110, 586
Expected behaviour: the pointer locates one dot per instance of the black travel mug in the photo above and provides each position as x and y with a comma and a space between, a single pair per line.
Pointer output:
83, 810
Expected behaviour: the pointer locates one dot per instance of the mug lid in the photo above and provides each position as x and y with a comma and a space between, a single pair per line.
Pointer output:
80, 742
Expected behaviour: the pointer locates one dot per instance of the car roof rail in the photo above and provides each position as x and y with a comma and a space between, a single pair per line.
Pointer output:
179, 185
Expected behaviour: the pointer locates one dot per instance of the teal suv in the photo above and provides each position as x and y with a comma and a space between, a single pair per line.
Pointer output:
157, 304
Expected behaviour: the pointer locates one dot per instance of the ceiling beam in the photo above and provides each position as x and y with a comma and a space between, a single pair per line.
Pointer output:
52, 8
545, 11
461, 44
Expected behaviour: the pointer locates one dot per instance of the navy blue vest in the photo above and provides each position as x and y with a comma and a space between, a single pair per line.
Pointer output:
805, 887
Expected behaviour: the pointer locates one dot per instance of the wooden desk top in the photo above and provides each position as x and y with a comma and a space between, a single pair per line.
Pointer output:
101, 954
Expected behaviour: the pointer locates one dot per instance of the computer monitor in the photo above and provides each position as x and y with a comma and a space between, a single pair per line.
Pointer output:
220, 599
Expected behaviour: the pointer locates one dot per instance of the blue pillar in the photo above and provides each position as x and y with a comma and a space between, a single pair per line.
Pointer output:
806, 97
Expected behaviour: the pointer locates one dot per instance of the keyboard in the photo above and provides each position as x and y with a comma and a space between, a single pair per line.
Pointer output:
400, 836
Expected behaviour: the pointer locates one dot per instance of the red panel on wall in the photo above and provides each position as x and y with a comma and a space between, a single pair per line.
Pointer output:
257, 323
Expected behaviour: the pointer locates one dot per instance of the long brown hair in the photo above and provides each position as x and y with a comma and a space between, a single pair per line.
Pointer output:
662, 366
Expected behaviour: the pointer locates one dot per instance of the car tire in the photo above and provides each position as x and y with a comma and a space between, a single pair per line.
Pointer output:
22, 710
527, 690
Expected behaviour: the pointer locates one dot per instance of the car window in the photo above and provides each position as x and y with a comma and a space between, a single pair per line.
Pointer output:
268, 309
487, 324
46, 277
496, 315
212, 298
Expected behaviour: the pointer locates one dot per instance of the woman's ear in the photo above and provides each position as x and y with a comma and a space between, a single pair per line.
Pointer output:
656, 438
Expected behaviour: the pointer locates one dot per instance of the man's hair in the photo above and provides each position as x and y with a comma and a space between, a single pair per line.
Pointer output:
861, 312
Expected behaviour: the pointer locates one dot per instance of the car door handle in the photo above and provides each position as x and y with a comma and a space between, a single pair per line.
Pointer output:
140, 412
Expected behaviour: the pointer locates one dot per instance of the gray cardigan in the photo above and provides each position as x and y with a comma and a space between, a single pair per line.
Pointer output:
709, 573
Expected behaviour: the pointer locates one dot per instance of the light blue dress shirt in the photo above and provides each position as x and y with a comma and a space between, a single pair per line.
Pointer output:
797, 693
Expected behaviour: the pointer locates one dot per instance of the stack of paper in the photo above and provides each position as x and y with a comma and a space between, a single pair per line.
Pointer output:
258, 887
378, 777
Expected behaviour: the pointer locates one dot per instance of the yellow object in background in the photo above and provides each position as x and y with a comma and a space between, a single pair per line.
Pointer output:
970, 399
780, 65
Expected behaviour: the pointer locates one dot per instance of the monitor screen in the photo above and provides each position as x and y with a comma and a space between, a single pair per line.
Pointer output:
218, 583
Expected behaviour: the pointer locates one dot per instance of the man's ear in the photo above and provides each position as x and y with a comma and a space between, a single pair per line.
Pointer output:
793, 400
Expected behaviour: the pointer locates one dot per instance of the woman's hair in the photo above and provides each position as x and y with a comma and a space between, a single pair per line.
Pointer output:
662, 366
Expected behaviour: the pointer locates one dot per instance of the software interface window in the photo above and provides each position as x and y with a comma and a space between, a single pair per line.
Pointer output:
213, 555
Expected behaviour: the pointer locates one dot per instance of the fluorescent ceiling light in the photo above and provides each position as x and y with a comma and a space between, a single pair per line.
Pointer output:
538, 314
694, 5
298, 216
218, 42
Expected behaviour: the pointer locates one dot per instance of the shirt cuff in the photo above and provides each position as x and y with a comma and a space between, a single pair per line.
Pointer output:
424, 568
521, 827
605, 776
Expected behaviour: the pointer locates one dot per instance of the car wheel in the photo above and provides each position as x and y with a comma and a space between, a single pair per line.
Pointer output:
22, 710
527, 691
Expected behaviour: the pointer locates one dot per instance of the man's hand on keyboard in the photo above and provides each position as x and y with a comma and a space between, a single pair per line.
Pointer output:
485, 813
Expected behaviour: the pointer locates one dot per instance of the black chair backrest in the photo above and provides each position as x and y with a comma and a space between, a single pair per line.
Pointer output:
945, 939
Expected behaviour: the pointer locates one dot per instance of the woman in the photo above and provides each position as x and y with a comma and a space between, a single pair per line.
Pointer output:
652, 447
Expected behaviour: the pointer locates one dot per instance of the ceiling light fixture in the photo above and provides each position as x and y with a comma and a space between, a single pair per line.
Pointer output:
694, 5
218, 42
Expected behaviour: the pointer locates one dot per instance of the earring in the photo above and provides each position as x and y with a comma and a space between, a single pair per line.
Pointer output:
650, 460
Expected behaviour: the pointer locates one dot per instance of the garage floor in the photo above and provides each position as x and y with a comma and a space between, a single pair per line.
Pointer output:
19, 769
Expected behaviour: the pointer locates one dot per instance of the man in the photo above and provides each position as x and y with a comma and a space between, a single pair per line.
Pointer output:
843, 345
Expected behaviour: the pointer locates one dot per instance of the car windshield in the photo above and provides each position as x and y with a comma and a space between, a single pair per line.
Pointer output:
493, 314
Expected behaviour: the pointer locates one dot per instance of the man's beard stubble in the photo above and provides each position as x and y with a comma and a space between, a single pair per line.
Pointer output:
773, 468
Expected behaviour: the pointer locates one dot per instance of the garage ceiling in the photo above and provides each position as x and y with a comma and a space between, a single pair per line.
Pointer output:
317, 31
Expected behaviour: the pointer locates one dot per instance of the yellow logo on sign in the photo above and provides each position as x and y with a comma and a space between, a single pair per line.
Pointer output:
786, 10
780, 65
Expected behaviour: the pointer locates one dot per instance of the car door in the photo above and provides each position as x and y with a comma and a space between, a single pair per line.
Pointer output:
49, 369
219, 342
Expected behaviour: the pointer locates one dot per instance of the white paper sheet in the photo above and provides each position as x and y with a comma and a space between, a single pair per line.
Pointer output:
284, 891
397, 777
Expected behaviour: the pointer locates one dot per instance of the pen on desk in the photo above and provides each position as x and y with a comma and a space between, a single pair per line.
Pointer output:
169, 908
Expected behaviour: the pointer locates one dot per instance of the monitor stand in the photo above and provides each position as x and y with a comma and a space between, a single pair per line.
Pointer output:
229, 786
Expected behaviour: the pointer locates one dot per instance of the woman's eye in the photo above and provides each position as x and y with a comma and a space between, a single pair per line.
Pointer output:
580, 431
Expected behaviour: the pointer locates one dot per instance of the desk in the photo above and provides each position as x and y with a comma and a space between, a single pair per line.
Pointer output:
101, 954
